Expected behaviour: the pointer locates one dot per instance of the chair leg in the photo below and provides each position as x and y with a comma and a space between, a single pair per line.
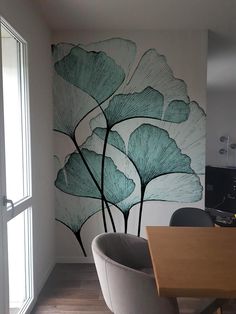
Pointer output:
219, 311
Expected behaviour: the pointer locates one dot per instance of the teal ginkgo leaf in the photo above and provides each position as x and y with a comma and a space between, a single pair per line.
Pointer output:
122, 51
114, 138
158, 157
175, 187
179, 187
159, 154
115, 152
177, 111
71, 105
74, 211
75, 179
148, 103
154, 71
94, 72
190, 136
78, 180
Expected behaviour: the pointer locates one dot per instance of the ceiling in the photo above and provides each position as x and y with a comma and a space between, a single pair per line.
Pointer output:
216, 15
219, 16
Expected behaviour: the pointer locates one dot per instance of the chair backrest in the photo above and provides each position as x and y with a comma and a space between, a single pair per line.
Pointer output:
125, 274
191, 217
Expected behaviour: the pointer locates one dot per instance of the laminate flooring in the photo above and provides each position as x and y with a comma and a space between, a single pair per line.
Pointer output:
74, 289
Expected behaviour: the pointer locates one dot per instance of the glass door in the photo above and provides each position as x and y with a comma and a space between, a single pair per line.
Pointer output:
16, 262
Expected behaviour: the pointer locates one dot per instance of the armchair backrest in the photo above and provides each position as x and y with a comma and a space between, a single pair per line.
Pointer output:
124, 270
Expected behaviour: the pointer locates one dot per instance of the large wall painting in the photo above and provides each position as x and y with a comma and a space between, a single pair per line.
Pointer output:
146, 140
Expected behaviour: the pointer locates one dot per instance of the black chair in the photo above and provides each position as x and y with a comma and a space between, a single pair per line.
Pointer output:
191, 217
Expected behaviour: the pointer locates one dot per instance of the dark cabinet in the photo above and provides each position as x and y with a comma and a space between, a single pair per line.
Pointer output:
221, 188
220, 195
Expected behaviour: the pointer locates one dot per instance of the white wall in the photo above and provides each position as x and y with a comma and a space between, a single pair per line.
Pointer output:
186, 53
221, 95
23, 16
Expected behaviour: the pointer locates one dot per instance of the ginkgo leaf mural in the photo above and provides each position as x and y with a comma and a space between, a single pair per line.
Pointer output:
84, 179
189, 135
96, 74
181, 184
147, 138
118, 154
148, 103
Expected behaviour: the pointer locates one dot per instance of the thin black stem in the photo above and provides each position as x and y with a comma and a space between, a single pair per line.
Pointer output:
95, 181
104, 216
102, 178
126, 217
78, 237
77, 234
141, 208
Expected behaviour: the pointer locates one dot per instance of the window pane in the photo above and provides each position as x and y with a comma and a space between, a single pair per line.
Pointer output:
14, 117
19, 261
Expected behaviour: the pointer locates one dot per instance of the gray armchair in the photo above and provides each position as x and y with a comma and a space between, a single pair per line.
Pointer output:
125, 274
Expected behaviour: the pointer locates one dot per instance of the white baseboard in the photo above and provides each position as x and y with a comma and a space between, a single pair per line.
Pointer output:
74, 259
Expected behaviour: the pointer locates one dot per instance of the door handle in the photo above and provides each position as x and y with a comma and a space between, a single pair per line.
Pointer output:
8, 201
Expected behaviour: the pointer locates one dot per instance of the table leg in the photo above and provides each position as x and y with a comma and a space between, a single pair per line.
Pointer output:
214, 307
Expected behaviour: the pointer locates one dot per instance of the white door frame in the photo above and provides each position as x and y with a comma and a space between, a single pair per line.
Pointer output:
3, 233
7, 212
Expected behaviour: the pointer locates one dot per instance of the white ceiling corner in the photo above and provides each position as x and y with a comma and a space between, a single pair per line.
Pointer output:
216, 15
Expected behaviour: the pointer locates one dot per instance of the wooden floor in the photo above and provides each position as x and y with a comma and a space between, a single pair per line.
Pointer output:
74, 289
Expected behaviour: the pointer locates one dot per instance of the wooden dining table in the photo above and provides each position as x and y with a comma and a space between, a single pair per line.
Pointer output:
194, 262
